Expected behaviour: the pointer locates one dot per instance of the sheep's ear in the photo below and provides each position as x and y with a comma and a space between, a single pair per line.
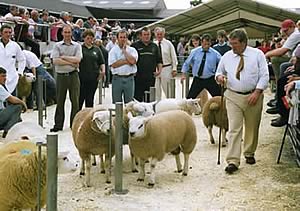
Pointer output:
135, 101
129, 115
154, 103
146, 120
129, 104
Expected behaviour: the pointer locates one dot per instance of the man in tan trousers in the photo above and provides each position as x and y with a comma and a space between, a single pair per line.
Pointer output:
247, 76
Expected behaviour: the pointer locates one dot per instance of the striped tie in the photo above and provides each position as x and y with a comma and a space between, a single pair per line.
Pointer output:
240, 67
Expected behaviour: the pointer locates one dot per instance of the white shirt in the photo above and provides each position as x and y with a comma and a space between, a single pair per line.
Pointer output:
31, 59
255, 74
116, 54
3, 96
292, 41
9, 56
168, 53
110, 45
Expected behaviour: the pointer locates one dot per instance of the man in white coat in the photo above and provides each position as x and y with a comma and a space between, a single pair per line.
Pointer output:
10, 54
169, 67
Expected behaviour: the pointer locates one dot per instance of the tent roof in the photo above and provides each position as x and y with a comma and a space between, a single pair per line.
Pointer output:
257, 18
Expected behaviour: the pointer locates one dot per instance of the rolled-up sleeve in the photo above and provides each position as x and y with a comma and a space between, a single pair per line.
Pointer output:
189, 61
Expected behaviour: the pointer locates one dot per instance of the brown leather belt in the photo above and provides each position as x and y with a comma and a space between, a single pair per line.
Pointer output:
242, 93
166, 65
67, 74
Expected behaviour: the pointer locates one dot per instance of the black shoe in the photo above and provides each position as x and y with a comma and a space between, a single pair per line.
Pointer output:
276, 119
272, 110
272, 103
55, 129
231, 168
250, 160
281, 121
4, 134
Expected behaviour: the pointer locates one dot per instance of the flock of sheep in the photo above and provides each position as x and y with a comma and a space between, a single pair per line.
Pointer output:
153, 130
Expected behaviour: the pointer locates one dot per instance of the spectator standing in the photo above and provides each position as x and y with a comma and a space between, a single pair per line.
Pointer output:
204, 61
11, 113
92, 69
66, 56
122, 59
222, 47
112, 43
149, 64
10, 55
77, 30
99, 44
180, 50
247, 76
89, 23
169, 60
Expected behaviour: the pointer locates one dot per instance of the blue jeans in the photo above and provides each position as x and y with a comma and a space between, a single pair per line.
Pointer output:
9, 116
122, 86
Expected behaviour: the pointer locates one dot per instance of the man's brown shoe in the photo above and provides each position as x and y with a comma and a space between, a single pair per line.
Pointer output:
231, 168
250, 160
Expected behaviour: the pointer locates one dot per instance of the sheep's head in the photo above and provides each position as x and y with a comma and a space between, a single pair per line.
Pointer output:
29, 77
101, 119
193, 105
141, 108
137, 125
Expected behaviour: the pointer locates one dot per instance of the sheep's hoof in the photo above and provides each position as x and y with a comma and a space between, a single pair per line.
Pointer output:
184, 174
94, 164
212, 141
140, 180
134, 171
223, 144
102, 171
108, 182
81, 173
179, 171
150, 185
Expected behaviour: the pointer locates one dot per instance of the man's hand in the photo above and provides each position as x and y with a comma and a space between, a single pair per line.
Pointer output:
221, 79
174, 73
288, 88
289, 69
293, 77
24, 109
254, 97
183, 77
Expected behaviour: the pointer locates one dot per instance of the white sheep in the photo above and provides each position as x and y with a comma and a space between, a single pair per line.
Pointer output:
154, 136
24, 86
211, 115
188, 105
18, 176
90, 132
35, 133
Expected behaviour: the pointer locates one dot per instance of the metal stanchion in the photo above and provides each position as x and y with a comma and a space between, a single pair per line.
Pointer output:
52, 152
187, 84
45, 94
119, 150
100, 89
172, 87
168, 90
110, 139
39, 176
152, 94
146, 96
40, 100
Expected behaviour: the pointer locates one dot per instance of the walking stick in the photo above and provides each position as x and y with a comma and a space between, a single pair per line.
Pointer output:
221, 126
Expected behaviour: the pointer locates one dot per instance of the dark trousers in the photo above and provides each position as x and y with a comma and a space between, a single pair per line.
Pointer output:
87, 92
199, 84
35, 47
66, 82
9, 116
282, 81
142, 85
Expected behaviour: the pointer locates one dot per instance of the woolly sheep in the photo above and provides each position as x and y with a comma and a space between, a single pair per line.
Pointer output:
154, 136
25, 85
202, 99
188, 105
35, 133
90, 132
18, 176
211, 115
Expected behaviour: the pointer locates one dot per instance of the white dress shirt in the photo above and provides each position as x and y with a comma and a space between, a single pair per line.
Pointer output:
116, 54
31, 59
168, 53
10, 55
255, 74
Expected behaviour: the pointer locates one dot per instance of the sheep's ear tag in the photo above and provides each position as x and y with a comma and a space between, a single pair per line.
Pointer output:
25, 152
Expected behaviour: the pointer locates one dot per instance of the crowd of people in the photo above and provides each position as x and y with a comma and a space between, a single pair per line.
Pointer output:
89, 51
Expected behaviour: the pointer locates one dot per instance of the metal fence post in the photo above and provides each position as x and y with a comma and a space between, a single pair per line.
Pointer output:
146, 96
152, 94
172, 87
40, 100
119, 150
187, 84
100, 85
52, 152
